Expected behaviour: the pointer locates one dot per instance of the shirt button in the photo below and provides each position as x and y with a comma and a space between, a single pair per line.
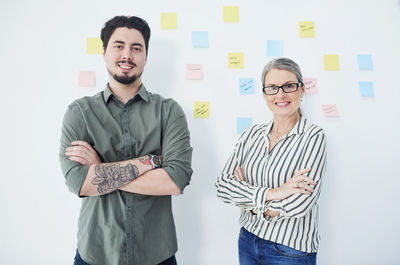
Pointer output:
126, 131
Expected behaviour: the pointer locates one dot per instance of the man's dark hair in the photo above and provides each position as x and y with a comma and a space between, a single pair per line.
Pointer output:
125, 22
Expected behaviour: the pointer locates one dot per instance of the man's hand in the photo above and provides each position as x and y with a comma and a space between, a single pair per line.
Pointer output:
83, 153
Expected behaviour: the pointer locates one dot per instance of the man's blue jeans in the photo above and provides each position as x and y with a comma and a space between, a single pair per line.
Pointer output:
257, 251
79, 261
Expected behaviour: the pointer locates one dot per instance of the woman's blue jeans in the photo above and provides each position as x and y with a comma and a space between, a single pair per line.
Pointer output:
257, 251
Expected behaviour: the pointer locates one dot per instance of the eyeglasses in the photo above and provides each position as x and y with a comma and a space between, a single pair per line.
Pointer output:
287, 88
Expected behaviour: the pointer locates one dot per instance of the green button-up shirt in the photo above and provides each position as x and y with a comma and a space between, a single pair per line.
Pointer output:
122, 227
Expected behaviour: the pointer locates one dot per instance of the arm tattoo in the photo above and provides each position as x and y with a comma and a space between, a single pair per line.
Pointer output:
111, 177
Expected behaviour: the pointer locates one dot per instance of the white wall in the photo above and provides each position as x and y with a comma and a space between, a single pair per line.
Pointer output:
43, 47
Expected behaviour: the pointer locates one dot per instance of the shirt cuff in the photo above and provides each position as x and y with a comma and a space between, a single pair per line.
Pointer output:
259, 200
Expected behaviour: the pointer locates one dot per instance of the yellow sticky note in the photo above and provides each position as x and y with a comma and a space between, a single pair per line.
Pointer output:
168, 21
306, 29
236, 60
331, 62
231, 14
201, 109
94, 46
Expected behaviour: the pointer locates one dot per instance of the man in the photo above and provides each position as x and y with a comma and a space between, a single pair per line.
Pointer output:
110, 152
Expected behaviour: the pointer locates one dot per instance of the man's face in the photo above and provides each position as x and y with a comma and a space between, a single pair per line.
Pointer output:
125, 56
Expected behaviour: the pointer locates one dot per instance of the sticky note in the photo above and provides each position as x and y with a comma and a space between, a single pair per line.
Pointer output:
168, 21
194, 71
310, 85
306, 29
86, 78
330, 110
231, 14
94, 46
199, 39
364, 62
275, 48
366, 89
201, 109
236, 60
246, 86
331, 62
242, 123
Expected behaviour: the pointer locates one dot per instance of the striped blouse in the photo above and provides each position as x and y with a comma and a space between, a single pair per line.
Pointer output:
296, 225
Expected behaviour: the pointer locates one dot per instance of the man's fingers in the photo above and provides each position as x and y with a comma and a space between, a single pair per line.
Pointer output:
82, 143
79, 160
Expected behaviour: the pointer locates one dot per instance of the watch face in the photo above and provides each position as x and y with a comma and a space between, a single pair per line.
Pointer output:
156, 161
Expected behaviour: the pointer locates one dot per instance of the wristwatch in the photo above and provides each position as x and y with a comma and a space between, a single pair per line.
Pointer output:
155, 161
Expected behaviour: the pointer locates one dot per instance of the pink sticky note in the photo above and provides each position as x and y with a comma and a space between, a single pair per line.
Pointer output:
87, 78
330, 110
310, 85
194, 71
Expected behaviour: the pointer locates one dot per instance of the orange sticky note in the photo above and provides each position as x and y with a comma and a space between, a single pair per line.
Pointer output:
331, 62
94, 46
168, 21
330, 110
87, 79
236, 60
194, 71
201, 109
231, 13
310, 85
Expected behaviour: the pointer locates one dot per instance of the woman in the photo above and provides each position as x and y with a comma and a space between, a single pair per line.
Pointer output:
274, 175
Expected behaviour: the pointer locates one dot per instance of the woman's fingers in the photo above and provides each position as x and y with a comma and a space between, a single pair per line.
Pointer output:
239, 174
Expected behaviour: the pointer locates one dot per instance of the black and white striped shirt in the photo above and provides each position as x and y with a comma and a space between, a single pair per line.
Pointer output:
304, 146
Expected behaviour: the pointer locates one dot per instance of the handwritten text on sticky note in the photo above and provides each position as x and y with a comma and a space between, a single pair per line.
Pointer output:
201, 109
310, 85
330, 110
246, 86
194, 71
306, 29
236, 60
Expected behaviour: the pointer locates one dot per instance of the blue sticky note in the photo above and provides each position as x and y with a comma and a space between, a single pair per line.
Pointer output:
200, 38
242, 124
366, 89
364, 62
275, 48
246, 86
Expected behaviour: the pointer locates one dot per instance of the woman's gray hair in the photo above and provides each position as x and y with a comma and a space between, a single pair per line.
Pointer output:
282, 64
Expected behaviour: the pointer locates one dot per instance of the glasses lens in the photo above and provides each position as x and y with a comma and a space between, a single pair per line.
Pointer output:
290, 87
270, 90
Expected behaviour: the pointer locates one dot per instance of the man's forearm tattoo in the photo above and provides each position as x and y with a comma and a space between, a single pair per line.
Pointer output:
111, 177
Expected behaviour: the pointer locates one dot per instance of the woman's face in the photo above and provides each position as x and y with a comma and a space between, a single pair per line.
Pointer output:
283, 104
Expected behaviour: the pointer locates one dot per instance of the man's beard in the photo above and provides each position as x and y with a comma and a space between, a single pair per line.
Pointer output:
124, 79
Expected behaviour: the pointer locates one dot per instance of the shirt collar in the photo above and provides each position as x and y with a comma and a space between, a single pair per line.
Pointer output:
300, 127
142, 93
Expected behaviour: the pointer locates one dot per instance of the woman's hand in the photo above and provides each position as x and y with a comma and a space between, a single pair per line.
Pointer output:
299, 183
239, 174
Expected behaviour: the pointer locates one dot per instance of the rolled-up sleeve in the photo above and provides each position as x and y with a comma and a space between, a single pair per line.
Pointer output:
73, 128
236, 192
176, 149
314, 157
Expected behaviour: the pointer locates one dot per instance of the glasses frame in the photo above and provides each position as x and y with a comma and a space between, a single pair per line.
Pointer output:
299, 84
